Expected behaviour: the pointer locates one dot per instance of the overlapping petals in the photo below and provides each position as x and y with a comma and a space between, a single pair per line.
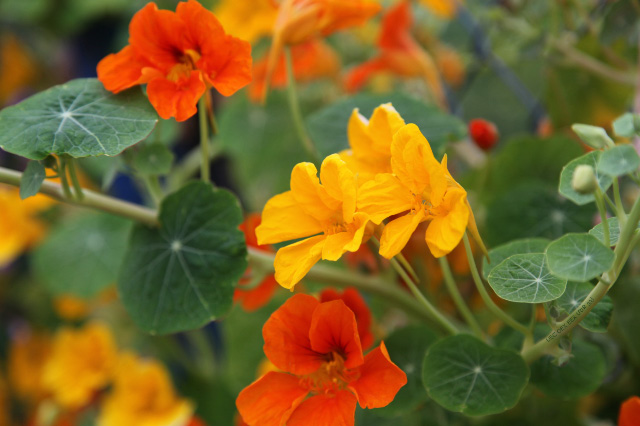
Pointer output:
317, 346
178, 55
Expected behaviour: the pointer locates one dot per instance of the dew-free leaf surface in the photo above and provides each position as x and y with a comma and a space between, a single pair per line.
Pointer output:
526, 278
619, 160
614, 231
32, 179
598, 319
464, 374
182, 275
522, 246
566, 189
579, 257
79, 118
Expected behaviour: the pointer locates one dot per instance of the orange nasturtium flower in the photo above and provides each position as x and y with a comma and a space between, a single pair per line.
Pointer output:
179, 56
324, 214
325, 374
354, 301
301, 20
28, 354
630, 412
143, 395
247, 19
399, 53
81, 364
421, 187
312, 60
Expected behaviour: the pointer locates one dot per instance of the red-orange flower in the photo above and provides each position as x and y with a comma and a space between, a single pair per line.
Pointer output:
318, 347
354, 301
178, 55
630, 412
311, 60
399, 53
254, 297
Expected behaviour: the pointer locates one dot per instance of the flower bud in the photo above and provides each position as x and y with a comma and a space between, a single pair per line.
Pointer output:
584, 179
484, 133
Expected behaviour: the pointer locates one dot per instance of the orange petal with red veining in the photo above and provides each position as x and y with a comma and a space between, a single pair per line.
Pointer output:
176, 99
334, 329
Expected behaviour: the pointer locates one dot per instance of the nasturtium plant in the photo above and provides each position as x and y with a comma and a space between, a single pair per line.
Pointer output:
79, 118
598, 319
579, 257
32, 179
613, 223
590, 159
618, 161
504, 251
182, 274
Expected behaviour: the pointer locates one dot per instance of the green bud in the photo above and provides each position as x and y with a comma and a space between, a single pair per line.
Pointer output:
584, 179
595, 137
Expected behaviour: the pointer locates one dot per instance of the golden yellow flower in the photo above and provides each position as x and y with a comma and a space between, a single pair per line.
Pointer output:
81, 363
143, 395
247, 19
28, 354
370, 142
323, 214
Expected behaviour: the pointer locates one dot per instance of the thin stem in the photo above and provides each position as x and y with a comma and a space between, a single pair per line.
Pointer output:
495, 309
74, 179
189, 165
407, 266
296, 113
432, 310
153, 188
603, 215
457, 297
205, 353
622, 216
91, 199
210, 114
66, 190
204, 139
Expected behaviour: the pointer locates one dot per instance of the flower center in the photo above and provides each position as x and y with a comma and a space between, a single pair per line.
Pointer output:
186, 63
331, 377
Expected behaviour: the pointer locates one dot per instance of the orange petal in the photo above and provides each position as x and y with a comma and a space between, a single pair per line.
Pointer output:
334, 329
257, 297
396, 27
286, 336
354, 301
120, 71
380, 379
294, 261
176, 99
323, 410
630, 412
445, 232
283, 219
396, 233
358, 76
339, 14
270, 400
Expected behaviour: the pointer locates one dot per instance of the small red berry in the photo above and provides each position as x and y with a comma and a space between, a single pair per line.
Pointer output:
484, 133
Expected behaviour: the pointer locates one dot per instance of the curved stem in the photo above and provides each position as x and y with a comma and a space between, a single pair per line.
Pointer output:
66, 190
204, 139
622, 216
407, 266
495, 309
602, 209
74, 179
457, 297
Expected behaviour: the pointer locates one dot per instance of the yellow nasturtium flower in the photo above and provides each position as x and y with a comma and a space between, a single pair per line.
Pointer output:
324, 214
419, 186
370, 142
81, 363
28, 355
247, 19
143, 395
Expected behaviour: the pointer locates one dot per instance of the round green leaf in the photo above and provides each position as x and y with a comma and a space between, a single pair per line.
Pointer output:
579, 257
500, 253
182, 275
153, 159
580, 376
82, 255
619, 160
590, 159
32, 179
626, 125
526, 278
598, 319
79, 118
614, 231
463, 374
407, 348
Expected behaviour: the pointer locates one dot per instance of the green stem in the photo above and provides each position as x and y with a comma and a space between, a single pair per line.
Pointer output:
66, 190
407, 266
495, 309
457, 297
432, 310
91, 199
603, 215
296, 113
622, 251
190, 165
205, 358
204, 139
74, 179
622, 216
154, 189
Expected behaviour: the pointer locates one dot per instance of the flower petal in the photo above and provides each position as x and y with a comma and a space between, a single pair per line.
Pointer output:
256, 297
384, 197
176, 99
354, 301
445, 232
283, 219
270, 400
380, 379
286, 336
396, 233
412, 158
350, 240
334, 329
630, 412
294, 261
323, 410
310, 195
340, 184
122, 70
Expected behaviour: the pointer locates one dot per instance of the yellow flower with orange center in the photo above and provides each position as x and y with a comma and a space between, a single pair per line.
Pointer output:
28, 354
322, 213
143, 395
81, 364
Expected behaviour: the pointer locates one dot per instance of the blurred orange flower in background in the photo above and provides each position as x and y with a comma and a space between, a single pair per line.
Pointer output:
18, 68
179, 56
248, 20
325, 373
630, 412
28, 354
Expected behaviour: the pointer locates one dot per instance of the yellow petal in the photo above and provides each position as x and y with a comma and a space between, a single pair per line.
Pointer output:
445, 231
310, 195
385, 122
384, 197
412, 158
340, 183
349, 240
397, 232
294, 261
283, 219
